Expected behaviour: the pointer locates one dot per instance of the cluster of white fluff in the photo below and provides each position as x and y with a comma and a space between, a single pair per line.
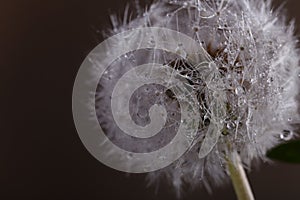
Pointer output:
247, 93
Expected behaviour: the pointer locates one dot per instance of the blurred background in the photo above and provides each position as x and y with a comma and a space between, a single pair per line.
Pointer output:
42, 45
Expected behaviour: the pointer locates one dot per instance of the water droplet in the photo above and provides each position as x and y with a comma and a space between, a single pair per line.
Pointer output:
206, 120
224, 131
252, 80
196, 29
262, 75
216, 94
289, 119
286, 135
230, 125
241, 101
239, 90
129, 156
162, 157
181, 51
212, 66
152, 42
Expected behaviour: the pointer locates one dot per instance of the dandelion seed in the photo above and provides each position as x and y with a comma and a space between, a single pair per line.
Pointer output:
246, 82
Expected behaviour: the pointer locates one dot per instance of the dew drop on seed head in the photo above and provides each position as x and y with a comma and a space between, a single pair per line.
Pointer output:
252, 80
262, 75
286, 135
179, 50
241, 101
230, 125
129, 156
206, 120
239, 90
152, 43
162, 157
196, 29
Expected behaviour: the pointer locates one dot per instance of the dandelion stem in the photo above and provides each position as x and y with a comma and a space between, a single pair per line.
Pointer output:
239, 179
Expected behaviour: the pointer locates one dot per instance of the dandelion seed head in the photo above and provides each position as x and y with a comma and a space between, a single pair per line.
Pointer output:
246, 88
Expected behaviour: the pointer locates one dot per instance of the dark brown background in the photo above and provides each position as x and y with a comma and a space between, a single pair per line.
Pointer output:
42, 44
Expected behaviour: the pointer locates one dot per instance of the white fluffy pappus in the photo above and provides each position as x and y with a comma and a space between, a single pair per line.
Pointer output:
247, 94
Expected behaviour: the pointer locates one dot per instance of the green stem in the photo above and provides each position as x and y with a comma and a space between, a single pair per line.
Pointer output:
239, 179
